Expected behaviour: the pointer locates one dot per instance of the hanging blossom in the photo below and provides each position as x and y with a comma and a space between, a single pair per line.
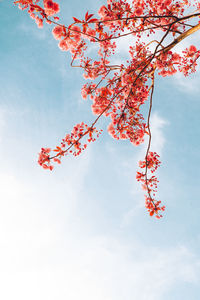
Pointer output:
73, 143
38, 13
119, 91
149, 185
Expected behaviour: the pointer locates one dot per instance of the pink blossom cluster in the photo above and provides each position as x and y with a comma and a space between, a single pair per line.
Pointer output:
69, 39
154, 207
93, 69
166, 63
87, 90
119, 14
119, 129
189, 60
38, 13
119, 90
24, 4
51, 8
71, 144
151, 163
44, 158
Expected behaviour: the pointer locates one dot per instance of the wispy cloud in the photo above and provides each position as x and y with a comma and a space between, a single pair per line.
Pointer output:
48, 251
42, 258
33, 30
2, 122
157, 126
188, 85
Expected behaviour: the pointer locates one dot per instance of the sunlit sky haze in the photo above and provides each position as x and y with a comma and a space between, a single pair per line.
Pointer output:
82, 231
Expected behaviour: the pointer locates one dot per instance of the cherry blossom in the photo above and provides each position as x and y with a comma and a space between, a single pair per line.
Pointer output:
119, 91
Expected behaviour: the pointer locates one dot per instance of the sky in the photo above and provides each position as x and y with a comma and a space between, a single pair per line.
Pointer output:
82, 231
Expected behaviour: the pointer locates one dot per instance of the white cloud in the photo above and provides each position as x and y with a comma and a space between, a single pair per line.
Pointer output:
32, 29
46, 253
158, 140
2, 122
157, 124
189, 84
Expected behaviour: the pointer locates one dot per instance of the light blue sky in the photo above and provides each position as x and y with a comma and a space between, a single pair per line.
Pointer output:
82, 232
